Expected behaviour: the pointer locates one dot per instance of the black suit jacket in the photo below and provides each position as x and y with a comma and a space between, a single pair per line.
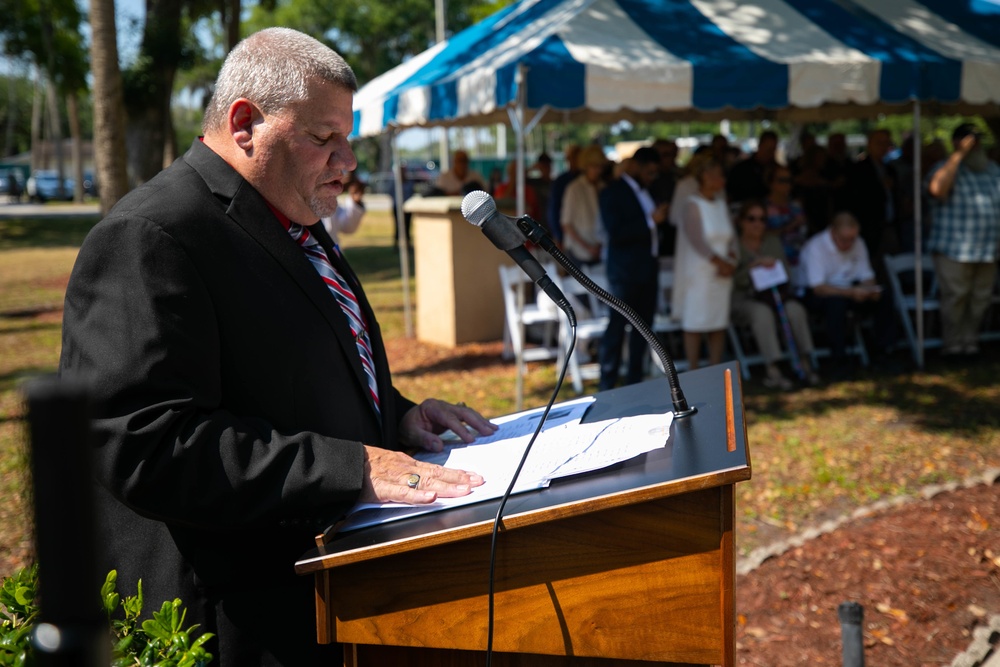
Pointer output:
866, 195
232, 405
629, 243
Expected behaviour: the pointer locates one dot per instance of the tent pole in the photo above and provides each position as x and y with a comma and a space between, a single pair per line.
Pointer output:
402, 245
918, 251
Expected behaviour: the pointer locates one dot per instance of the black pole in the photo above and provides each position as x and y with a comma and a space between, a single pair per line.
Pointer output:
851, 614
73, 630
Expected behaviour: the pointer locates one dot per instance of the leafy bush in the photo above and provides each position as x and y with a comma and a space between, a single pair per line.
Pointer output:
161, 641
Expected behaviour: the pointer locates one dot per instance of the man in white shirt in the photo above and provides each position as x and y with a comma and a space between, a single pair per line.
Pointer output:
839, 284
460, 179
350, 210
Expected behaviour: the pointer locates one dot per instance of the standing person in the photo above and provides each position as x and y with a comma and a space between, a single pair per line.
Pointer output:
704, 266
630, 219
347, 218
579, 216
507, 190
244, 398
460, 179
662, 190
813, 189
748, 179
558, 190
759, 310
965, 191
542, 185
688, 186
868, 194
838, 162
786, 219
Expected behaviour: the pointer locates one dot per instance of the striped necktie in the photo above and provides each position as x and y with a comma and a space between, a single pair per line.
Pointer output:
345, 297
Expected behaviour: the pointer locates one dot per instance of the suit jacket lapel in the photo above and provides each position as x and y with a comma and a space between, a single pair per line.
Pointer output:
249, 210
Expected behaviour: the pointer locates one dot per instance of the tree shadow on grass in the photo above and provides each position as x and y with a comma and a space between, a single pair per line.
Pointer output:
45, 232
964, 400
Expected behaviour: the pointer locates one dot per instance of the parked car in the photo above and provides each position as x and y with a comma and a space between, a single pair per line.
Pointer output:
416, 179
43, 185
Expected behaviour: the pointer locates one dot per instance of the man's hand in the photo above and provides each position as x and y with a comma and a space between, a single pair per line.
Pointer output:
422, 425
967, 144
396, 477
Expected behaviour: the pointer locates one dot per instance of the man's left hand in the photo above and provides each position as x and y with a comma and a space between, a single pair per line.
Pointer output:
423, 424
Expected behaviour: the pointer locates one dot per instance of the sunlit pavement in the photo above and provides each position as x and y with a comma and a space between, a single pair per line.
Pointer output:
8, 210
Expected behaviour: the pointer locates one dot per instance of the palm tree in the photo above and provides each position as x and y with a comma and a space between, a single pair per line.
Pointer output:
109, 109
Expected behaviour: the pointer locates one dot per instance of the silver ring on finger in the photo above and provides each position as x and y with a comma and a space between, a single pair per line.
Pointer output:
413, 480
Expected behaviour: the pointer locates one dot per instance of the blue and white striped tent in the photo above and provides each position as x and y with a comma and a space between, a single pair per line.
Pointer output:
608, 60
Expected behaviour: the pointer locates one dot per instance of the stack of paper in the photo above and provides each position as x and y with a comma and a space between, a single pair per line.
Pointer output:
564, 447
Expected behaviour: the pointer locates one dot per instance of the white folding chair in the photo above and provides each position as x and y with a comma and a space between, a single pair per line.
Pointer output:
900, 268
592, 320
521, 317
664, 324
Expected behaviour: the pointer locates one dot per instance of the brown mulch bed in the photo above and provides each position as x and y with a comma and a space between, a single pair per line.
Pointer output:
926, 573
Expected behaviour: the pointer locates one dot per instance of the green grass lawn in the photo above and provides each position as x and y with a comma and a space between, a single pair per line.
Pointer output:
816, 453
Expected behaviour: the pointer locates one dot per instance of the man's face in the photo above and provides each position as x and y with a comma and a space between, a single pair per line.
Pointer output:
766, 149
302, 155
647, 173
668, 154
845, 237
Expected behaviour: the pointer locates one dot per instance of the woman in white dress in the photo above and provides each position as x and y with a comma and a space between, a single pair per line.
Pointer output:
704, 265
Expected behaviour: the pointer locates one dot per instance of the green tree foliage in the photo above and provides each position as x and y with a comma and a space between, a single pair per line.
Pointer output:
373, 35
47, 32
15, 113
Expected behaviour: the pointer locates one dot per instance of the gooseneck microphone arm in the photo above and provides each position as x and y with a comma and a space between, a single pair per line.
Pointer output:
509, 234
535, 233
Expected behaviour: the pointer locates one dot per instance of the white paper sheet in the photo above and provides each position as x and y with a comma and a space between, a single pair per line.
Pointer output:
564, 447
766, 277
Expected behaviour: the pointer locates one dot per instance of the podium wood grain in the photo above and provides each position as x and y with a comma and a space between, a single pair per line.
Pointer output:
639, 573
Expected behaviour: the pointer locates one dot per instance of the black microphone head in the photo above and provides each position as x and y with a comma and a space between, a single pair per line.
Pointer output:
477, 207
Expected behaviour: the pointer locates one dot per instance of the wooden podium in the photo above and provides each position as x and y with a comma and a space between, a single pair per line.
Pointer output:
631, 565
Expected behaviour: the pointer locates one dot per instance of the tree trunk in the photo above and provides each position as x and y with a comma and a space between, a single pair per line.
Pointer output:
231, 22
109, 109
76, 147
150, 125
36, 122
55, 138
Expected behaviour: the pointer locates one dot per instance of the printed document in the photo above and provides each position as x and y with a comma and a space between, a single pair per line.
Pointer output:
564, 447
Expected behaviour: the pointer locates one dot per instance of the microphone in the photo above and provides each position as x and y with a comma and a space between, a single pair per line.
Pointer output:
502, 230
509, 234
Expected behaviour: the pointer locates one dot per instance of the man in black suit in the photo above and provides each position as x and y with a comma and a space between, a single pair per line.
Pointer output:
235, 414
868, 194
630, 219
748, 178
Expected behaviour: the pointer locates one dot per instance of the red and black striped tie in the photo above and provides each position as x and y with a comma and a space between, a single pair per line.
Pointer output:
345, 297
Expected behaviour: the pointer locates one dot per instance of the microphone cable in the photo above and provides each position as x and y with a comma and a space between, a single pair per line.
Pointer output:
571, 317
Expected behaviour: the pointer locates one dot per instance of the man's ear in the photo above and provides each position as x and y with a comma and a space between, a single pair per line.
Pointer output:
242, 114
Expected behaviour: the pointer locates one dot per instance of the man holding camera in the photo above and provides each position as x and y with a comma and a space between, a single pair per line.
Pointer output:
965, 234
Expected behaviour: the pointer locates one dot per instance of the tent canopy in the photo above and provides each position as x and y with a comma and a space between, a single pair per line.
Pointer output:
608, 60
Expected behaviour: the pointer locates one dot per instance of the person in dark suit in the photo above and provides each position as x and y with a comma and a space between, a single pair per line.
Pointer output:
868, 195
237, 413
630, 219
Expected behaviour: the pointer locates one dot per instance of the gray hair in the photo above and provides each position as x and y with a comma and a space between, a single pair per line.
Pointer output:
273, 68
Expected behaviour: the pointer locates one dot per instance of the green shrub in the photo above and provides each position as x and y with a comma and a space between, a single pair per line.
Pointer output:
161, 641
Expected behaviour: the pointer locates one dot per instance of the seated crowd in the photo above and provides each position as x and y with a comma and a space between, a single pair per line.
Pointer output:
785, 251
